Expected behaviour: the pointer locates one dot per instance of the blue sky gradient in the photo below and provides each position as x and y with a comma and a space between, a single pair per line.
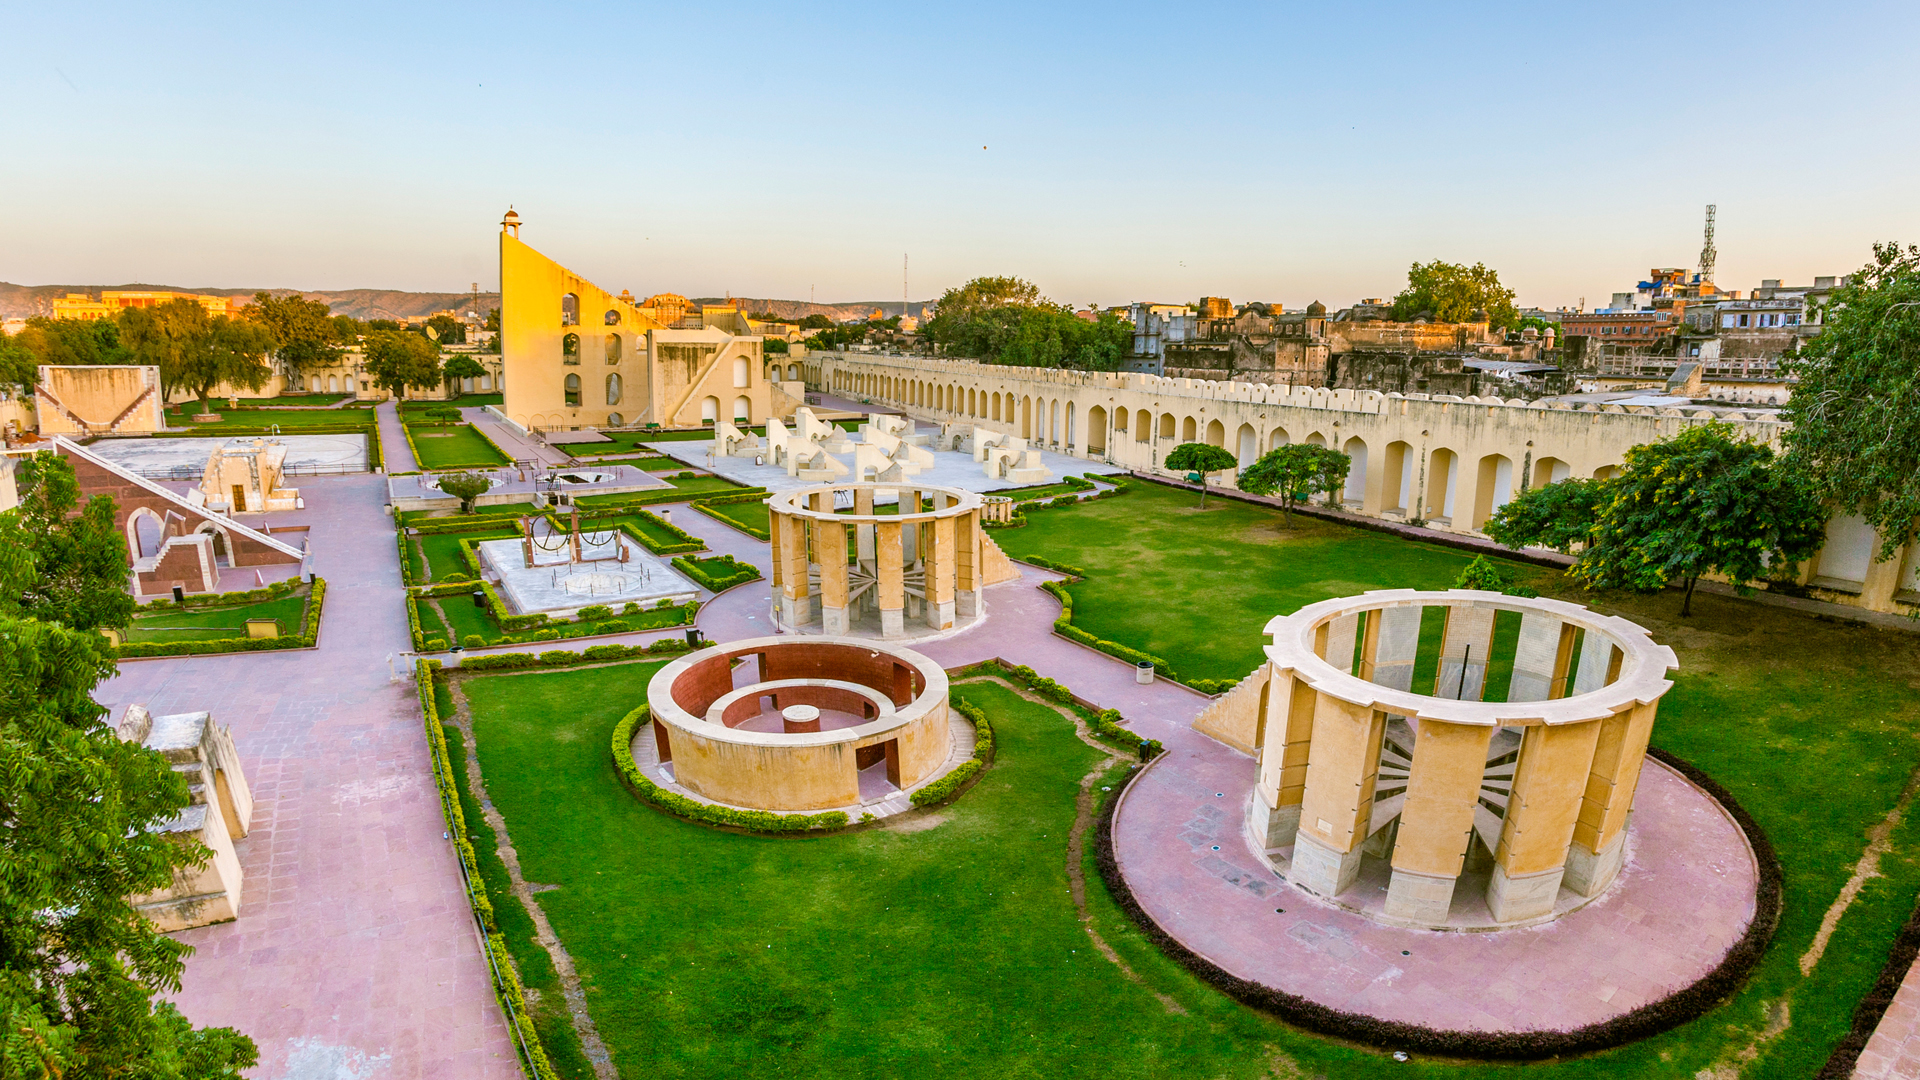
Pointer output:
1107, 152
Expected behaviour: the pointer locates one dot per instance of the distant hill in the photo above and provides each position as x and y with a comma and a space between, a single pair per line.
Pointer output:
24, 301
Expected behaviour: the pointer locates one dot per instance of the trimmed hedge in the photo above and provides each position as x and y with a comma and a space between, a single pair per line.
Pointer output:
1065, 628
271, 592
671, 495
949, 785
1874, 1004
703, 506
1106, 723
739, 572
545, 629
681, 806
688, 541
1684, 1006
519, 661
307, 637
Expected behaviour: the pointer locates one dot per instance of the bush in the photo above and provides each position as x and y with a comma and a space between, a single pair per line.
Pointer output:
724, 574
949, 785
473, 641
681, 806
436, 644
612, 626
631, 608
594, 613
1485, 574
544, 635
1104, 722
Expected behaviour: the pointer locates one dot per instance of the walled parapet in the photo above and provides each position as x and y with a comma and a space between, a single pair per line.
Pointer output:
1526, 789
802, 724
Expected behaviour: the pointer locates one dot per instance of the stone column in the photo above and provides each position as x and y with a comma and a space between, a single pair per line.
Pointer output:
1274, 814
1599, 836
863, 536
1337, 803
940, 574
1464, 649
966, 576
1334, 641
1436, 821
1541, 812
889, 583
830, 547
1538, 657
795, 607
1396, 647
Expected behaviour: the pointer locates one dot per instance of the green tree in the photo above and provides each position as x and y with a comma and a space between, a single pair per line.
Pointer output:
18, 365
816, 321
347, 330
1856, 410
1484, 574
447, 330
1702, 502
73, 341
80, 559
79, 966
492, 324
1557, 516
461, 366
1448, 292
397, 360
1005, 320
465, 486
1200, 459
1296, 472
304, 329
197, 352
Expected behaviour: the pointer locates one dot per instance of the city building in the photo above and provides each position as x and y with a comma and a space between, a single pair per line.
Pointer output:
113, 301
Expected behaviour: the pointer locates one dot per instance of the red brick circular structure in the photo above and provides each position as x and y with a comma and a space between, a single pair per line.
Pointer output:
880, 709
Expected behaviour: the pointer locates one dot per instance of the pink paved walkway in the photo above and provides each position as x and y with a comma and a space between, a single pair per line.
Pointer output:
1894, 1051
395, 455
354, 955
517, 446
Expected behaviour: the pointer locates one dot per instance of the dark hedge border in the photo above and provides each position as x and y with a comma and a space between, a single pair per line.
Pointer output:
1873, 1007
1686, 1005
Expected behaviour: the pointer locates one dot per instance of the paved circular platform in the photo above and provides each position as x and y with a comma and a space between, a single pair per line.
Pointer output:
1686, 895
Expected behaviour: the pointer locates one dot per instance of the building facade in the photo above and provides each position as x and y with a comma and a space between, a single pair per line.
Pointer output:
113, 301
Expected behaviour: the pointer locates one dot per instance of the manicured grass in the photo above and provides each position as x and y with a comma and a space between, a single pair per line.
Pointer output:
415, 517
453, 446
947, 951
754, 515
287, 419
294, 399
692, 487
216, 623
1814, 726
443, 551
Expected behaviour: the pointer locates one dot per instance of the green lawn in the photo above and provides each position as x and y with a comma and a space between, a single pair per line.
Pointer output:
754, 515
415, 517
951, 951
216, 623
442, 551
287, 419
692, 487
453, 446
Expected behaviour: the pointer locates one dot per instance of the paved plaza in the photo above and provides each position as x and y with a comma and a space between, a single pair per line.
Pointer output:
154, 457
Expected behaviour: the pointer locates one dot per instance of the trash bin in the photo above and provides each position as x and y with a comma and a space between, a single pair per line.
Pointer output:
1145, 750
1143, 672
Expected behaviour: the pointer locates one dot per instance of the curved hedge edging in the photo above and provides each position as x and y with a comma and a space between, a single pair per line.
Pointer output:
740, 575
950, 785
1065, 628
705, 506
1873, 1006
1688, 1004
1106, 723
706, 814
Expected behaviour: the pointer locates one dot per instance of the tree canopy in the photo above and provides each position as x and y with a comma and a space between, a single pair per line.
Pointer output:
1855, 414
397, 359
462, 366
197, 352
1448, 292
79, 559
1704, 501
1202, 458
304, 330
1296, 472
447, 330
73, 341
78, 965
465, 486
1005, 320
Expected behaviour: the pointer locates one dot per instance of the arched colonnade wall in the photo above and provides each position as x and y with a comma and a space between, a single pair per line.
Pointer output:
1446, 461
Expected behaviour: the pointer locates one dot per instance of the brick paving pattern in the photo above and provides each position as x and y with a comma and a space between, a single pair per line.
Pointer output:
1894, 1051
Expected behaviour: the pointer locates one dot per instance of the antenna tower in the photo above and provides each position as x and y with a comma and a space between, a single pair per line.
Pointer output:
1707, 254
903, 286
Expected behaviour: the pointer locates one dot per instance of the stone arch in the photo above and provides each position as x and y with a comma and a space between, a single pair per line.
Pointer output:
570, 349
1316, 439
1548, 470
742, 372
613, 347
743, 410
222, 543
1277, 438
1069, 441
709, 409
1026, 418
1216, 434
1166, 425
1356, 490
1495, 487
1247, 445
1398, 478
569, 309
572, 390
137, 537
1142, 425
1606, 472
613, 388
333, 384
1443, 467
1189, 430
1119, 421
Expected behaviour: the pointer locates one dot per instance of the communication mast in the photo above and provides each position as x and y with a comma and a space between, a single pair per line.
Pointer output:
1707, 253
904, 301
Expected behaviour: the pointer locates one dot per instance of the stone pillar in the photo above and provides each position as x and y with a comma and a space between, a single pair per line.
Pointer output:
1274, 814
830, 547
1599, 836
1436, 821
1599, 664
1397, 644
940, 573
1541, 812
889, 583
966, 564
1464, 649
1537, 656
1337, 804
796, 608
1334, 641
863, 535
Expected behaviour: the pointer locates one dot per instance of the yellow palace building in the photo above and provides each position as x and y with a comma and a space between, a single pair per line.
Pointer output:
577, 356
113, 301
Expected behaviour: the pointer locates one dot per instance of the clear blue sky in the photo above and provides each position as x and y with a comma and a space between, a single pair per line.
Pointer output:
1107, 152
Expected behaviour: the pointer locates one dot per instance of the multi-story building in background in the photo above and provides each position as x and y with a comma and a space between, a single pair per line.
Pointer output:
113, 301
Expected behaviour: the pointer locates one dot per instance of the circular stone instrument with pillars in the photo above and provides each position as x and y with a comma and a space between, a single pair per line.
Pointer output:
1531, 793
840, 568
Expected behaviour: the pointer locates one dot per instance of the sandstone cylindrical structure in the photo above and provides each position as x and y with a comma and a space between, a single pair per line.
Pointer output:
1371, 750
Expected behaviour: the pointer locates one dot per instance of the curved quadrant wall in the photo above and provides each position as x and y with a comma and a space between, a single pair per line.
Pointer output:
801, 723
1532, 790
877, 560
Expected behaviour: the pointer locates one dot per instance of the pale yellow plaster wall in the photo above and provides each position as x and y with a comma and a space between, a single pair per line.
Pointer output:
1342, 767
1442, 789
791, 777
1235, 717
